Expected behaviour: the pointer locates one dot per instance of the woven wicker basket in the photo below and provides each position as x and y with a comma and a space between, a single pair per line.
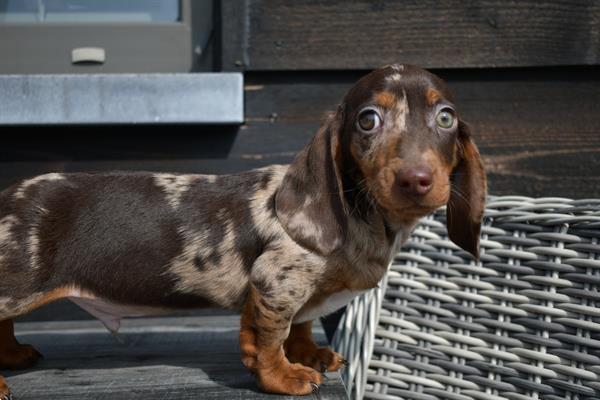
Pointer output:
521, 324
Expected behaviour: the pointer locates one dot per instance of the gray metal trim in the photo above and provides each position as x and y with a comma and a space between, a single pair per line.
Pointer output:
207, 98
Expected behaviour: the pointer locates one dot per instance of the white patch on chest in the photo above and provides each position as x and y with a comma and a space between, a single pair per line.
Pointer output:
331, 304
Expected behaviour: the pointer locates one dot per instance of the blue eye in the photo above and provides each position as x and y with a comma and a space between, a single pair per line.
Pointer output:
368, 120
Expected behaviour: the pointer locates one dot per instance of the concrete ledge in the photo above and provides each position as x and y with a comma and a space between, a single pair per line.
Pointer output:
204, 98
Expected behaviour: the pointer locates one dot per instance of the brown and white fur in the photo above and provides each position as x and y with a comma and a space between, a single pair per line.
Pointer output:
281, 244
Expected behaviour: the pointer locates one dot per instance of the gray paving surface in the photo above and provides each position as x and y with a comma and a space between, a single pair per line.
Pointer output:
194, 357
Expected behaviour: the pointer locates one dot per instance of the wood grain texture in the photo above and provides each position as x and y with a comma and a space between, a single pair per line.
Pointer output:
538, 130
319, 35
233, 34
161, 358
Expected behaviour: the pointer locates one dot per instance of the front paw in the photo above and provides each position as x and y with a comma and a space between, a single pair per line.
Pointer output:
287, 378
318, 358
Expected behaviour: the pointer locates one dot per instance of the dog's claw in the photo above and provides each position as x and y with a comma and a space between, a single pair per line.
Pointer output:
345, 362
7, 397
323, 367
316, 391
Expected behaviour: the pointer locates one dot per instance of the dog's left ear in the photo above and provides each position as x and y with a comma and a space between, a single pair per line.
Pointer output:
310, 202
467, 197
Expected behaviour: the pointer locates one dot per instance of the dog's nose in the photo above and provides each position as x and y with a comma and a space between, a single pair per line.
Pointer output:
415, 181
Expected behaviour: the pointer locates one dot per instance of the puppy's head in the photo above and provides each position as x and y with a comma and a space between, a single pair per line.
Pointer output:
396, 142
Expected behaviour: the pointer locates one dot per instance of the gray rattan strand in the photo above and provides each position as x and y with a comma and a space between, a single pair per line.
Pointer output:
521, 323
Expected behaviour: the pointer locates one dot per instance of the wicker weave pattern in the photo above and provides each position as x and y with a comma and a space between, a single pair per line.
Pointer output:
523, 323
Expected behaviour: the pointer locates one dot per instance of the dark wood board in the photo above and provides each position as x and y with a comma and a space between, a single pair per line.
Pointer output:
161, 358
345, 35
232, 21
538, 130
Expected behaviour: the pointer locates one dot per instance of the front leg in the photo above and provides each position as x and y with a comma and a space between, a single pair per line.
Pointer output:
265, 325
4, 390
301, 348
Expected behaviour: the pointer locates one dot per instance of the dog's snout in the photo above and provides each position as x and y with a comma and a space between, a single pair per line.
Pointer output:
415, 181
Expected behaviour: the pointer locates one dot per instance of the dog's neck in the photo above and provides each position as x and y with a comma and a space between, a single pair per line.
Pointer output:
380, 237
377, 242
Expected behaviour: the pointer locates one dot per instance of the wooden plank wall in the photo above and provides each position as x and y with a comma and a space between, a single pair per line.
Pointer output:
363, 34
538, 130
525, 73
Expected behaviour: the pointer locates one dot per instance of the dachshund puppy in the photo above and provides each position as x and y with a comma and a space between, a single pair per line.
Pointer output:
282, 244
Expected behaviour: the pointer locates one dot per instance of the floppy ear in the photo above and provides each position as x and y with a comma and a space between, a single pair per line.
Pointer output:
309, 202
467, 197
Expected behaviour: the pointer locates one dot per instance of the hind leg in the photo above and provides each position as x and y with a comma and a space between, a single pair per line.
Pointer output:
13, 355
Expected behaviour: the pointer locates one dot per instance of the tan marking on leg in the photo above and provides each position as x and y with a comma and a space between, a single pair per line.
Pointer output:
14, 355
432, 96
248, 335
262, 334
301, 348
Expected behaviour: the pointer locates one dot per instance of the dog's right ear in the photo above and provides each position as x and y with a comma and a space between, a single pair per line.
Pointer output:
310, 202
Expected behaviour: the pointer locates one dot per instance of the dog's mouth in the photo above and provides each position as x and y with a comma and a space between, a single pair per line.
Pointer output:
415, 209
406, 207
392, 199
